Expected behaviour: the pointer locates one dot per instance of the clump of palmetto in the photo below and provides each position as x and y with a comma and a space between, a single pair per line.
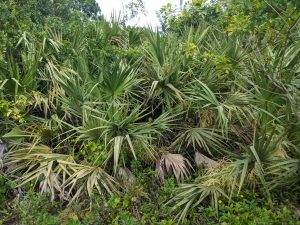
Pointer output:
234, 108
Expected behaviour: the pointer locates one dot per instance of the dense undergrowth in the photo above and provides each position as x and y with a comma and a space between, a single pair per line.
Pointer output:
107, 124
144, 203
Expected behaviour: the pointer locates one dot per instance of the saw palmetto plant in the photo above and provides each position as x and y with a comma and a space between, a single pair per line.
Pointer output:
154, 97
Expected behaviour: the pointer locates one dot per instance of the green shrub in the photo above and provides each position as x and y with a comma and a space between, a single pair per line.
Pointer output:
248, 211
37, 209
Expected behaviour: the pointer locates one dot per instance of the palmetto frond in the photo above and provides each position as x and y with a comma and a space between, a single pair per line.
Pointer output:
87, 179
204, 97
210, 187
173, 163
57, 173
164, 69
121, 129
119, 80
205, 138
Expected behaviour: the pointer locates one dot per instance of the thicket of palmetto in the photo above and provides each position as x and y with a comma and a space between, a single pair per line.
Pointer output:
201, 101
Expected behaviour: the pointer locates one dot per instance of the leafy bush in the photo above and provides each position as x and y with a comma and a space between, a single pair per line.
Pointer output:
247, 211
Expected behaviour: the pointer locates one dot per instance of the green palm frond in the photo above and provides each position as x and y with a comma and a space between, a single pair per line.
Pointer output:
211, 187
205, 138
58, 173
121, 79
87, 179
